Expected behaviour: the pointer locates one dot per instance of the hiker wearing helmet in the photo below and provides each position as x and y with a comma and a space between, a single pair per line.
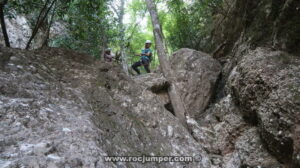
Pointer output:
146, 56
107, 55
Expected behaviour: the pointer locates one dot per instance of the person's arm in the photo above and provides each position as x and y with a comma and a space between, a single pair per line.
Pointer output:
149, 53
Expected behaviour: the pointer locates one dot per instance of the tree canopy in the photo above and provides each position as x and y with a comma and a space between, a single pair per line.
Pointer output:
123, 25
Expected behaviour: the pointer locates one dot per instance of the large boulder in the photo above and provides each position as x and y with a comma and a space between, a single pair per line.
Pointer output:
196, 75
266, 87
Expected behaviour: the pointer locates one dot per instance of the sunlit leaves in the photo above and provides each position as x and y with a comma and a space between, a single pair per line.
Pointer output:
89, 26
192, 22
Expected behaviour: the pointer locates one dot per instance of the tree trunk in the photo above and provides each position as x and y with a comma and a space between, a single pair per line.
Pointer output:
40, 20
103, 46
3, 26
122, 35
46, 40
174, 95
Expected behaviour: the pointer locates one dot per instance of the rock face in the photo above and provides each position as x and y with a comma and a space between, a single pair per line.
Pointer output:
267, 88
239, 130
257, 123
135, 122
58, 109
62, 109
19, 32
44, 122
273, 23
229, 140
260, 59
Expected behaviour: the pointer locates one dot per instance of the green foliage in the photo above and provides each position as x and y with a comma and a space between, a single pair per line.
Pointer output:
91, 24
185, 25
191, 23
31, 8
89, 27
138, 31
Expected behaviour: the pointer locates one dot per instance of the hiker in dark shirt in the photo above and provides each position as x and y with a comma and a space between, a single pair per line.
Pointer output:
146, 57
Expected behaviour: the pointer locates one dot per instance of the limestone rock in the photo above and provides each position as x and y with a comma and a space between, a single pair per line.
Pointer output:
196, 75
267, 88
59, 109
19, 32
231, 139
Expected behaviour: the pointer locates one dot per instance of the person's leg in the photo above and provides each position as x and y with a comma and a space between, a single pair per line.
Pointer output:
135, 67
146, 64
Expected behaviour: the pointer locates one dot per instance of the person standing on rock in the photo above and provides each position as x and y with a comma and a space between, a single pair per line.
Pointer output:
108, 55
146, 57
